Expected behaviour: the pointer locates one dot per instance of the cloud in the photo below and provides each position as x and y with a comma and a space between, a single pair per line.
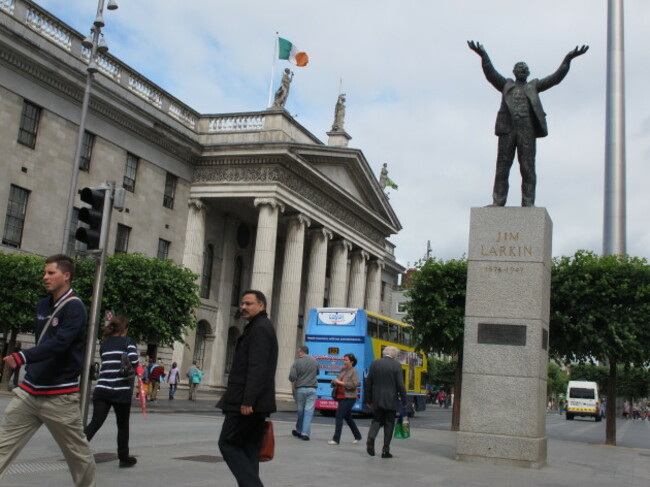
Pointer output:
416, 96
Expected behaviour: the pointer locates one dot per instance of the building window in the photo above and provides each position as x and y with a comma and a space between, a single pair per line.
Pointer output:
29, 124
122, 239
87, 144
163, 249
401, 308
206, 274
15, 221
236, 281
130, 172
170, 191
199, 343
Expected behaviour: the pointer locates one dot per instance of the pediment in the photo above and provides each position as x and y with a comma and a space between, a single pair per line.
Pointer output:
348, 169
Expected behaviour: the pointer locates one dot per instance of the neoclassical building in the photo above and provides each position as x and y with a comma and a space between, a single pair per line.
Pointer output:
245, 200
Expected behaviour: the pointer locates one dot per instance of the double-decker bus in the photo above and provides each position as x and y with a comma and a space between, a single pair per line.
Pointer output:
333, 332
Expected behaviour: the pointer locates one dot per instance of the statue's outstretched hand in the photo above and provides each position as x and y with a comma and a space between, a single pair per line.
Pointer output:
578, 51
477, 47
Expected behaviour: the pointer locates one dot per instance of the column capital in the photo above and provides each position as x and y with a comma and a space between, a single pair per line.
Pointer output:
326, 232
304, 219
378, 262
273, 202
341, 242
361, 253
197, 203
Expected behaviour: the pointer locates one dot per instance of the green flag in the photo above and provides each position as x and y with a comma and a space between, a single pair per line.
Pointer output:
390, 183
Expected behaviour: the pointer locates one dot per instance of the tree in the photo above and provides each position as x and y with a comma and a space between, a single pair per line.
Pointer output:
442, 373
436, 309
634, 383
20, 289
590, 372
557, 381
158, 296
599, 312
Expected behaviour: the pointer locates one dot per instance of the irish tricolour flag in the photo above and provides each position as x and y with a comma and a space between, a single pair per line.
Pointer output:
287, 50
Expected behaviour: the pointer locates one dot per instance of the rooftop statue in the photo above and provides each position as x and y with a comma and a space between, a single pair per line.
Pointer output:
339, 114
282, 93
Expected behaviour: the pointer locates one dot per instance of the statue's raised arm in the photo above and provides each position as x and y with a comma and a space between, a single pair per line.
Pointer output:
578, 51
491, 74
478, 48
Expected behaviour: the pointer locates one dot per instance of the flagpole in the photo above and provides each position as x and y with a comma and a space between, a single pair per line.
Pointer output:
275, 56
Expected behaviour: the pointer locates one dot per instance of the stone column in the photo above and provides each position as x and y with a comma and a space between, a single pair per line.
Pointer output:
339, 273
208, 365
373, 294
289, 303
315, 295
505, 350
225, 291
264, 259
193, 253
357, 296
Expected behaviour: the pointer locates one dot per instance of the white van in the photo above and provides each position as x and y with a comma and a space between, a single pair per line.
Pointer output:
582, 399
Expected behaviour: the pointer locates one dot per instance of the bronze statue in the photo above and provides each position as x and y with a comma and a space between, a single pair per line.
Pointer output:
521, 119
282, 93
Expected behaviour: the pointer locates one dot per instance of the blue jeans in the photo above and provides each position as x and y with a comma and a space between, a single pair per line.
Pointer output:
305, 401
344, 411
172, 390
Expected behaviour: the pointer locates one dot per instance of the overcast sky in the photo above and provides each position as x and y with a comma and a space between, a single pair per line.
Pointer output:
416, 95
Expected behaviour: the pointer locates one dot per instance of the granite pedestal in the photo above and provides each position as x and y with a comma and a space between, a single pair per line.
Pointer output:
505, 356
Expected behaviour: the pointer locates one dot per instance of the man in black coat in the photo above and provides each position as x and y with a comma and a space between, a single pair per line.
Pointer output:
384, 385
250, 394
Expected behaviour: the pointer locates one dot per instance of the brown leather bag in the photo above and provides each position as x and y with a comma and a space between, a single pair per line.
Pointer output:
267, 447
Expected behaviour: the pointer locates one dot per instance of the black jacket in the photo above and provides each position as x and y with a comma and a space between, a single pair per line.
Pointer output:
385, 383
251, 381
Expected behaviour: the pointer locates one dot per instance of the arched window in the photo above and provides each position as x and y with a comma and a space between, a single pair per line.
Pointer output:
199, 342
233, 335
206, 274
237, 280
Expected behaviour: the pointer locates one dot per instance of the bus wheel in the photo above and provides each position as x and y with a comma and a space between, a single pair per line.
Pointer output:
569, 416
327, 412
598, 418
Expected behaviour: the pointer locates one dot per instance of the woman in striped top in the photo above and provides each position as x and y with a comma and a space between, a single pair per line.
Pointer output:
112, 389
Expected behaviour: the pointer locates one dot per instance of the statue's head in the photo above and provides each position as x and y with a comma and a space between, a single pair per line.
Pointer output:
521, 71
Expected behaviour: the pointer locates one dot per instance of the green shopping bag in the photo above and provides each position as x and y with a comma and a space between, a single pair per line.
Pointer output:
402, 428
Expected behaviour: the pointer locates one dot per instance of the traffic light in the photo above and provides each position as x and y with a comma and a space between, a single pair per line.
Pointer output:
92, 216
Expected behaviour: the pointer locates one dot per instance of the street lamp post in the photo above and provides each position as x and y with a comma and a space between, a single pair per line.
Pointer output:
96, 45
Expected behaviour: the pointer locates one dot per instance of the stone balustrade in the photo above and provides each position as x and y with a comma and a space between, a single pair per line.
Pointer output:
234, 123
7, 6
48, 28
145, 90
105, 65
183, 115
66, 38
